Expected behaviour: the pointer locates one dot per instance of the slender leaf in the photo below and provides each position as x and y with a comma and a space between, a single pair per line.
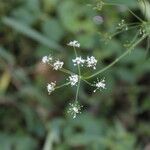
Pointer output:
29, 32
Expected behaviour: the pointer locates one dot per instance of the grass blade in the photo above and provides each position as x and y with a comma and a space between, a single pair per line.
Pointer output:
29, 32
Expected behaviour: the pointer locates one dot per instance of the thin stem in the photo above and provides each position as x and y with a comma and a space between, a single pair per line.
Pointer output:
87, 82
79, 72
66, 71
60, 86
132, 27
133, 23
115, 4
117, 59
135, 15
77, 92
135, 37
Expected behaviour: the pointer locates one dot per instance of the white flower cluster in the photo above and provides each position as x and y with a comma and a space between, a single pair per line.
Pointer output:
89, 62
78, 61
100, 84
51, 87
74, 43
73, 79
74, 109
56, 64
47, 59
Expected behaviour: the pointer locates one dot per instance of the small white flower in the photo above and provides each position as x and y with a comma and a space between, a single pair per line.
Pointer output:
50, 58
73, 79
78, 61
122, 25
51, 87
45, 59
74, 43
58, 65
91, 62
74, 109
100, 84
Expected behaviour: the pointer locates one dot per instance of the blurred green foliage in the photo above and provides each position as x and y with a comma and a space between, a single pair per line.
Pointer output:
114, 119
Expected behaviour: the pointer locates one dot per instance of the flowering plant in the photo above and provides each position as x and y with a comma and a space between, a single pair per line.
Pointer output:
74, 79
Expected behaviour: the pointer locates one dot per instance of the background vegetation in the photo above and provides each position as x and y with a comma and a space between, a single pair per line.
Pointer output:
117, 118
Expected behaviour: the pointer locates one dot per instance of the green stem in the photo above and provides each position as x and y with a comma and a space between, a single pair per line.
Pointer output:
65, 84
115, 4
79, 72
66, 71
117, 59
125, 30
77, 92
135, 38
87, 82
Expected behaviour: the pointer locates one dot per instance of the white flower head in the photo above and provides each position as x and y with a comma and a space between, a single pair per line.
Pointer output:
74, 109
78, 61
47, 59
73, 79
100, 84
51, 87
91, 62
74, 43
58, 65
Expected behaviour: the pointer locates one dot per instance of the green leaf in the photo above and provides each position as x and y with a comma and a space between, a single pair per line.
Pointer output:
19, 142
124, 2
29, 32
50, 26
7, 56
74, 21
